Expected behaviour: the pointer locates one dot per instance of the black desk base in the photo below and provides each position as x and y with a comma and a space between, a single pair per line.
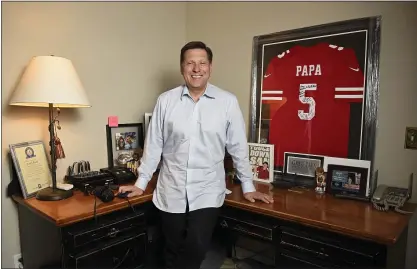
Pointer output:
116, 240
133, 240
290, 245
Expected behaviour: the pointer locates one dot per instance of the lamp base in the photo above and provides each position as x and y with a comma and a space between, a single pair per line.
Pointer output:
50, 194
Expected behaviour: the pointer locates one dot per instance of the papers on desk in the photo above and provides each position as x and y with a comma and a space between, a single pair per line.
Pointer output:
228, 191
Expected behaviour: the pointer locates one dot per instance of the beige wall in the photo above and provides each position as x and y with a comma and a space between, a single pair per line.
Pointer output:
131, 50
229, 28
125, 53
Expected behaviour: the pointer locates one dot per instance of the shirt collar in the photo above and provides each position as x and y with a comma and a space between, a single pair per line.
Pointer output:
209, 92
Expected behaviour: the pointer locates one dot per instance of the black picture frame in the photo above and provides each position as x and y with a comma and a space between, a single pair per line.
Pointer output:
112, 149
343, 170
360, 35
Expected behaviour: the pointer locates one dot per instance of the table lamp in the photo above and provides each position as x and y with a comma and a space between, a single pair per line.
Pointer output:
50, 81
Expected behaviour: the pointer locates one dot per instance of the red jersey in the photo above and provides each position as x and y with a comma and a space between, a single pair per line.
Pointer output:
309, 91
263, 174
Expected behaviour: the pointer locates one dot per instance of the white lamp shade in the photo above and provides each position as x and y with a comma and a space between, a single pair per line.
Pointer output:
50, 80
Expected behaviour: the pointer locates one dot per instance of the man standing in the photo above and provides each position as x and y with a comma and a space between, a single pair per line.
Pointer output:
191, 126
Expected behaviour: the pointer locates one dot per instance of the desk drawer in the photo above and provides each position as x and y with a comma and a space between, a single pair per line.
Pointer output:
328, 249
248, 228
120, 227
126, 252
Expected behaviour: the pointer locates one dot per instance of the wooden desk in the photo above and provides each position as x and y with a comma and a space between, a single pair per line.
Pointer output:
347, 217
80, 207
68, 234
337, 217
41, 220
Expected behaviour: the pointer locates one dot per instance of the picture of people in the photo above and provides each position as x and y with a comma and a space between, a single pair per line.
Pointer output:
343, 180
30, 153
263, 171
260, 157
126, 141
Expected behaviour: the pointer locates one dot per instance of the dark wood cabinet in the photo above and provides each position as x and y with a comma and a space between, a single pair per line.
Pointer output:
296, 245
115, 240
305, 230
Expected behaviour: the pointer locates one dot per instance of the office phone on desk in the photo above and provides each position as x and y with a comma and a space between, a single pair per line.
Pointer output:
385, 197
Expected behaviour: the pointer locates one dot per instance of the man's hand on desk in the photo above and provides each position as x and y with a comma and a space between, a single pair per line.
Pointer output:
134, 191
252, 196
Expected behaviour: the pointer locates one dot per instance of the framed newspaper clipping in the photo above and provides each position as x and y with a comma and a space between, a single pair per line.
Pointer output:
32, 167
261, 156
315, 90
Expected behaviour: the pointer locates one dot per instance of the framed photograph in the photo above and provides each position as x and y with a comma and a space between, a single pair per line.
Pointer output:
315, 90
410, 138
32, 167
304, 165
124, 142
260, 158
148, 117
363, 164
347, 180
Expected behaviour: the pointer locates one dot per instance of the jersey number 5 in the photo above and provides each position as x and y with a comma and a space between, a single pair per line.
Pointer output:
308, 101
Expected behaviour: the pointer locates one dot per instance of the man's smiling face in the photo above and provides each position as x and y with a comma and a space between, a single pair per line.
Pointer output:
196, 69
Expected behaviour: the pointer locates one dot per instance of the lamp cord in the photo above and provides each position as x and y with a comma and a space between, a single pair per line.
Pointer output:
95, 209
131, 206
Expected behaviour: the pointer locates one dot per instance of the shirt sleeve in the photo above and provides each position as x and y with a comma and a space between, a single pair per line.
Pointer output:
350, 78
268, 82
272, 94
153, 147
237, 146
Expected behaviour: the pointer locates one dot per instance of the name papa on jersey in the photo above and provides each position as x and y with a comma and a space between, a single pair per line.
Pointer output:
308, 70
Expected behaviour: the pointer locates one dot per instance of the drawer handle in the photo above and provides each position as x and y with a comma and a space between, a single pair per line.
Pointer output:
113, 232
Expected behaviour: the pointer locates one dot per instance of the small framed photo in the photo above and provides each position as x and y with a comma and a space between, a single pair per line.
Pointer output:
347, 180
261, 156
304, 165
410, 138
124, 142
32, 167
148, 117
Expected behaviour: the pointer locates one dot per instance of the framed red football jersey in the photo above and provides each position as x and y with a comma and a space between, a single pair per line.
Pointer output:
312, 88
315, 90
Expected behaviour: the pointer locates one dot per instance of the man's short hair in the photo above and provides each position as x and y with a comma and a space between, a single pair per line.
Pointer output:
196, 45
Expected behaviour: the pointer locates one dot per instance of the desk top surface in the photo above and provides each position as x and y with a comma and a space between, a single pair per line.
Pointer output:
81, 207
349, 217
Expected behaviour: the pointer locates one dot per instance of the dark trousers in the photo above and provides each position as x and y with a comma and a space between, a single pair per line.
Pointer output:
187, 236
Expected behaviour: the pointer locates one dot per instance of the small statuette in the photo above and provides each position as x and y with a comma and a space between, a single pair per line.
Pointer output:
320, 181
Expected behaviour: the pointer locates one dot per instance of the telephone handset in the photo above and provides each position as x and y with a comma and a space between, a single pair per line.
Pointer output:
385, 197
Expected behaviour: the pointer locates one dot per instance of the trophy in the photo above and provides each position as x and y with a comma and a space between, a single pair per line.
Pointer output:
320, 181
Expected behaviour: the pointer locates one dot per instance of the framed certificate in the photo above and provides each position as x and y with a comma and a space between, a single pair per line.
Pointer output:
32, 167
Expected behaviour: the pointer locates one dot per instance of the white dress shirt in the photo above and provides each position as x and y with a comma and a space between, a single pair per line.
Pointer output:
192, 137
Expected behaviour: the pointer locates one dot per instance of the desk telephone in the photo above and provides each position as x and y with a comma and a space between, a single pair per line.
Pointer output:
385, 197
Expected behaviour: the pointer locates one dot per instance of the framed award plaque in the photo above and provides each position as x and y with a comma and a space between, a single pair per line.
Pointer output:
32, 167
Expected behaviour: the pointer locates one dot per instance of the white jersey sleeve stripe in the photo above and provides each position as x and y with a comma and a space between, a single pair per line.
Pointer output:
349, 96
272, 92
272, 98
349, 89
